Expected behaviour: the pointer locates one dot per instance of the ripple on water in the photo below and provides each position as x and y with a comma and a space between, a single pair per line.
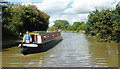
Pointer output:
13, 66
16, 55
52, 56
16, 63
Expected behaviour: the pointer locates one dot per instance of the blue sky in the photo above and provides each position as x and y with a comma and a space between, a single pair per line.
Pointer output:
71, 10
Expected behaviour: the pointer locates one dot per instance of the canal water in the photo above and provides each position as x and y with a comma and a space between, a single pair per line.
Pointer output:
75, 50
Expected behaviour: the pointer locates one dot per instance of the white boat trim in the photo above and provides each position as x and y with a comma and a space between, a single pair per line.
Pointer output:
30, 45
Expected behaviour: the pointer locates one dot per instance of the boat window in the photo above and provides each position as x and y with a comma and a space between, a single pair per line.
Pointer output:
56, 35
53, 35
45, 37
48, 37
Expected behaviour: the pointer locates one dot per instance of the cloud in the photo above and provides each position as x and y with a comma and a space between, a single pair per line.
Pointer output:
86, 6
116, 2
26, 4
70, 18
24, 1
71, 10
52, 6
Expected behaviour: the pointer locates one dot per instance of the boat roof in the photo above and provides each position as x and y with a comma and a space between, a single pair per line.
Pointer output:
41, 32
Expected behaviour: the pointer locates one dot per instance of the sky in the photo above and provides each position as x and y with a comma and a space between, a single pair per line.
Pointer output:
70, 10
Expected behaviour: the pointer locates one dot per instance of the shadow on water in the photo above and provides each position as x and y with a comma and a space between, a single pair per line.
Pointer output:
8, 45
103, 53
45, 47
4, 50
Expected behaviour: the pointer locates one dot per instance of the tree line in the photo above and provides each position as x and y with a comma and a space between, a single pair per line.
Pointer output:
64, 25
19, 19
104, 24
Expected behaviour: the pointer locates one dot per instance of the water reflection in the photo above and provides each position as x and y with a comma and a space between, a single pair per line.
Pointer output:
103, 54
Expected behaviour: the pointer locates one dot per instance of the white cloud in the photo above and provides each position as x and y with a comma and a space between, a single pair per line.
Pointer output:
51, 24
83, 16
117, 1
70, 18
26, 4
24, 0
71, 10
86, 6
52, 6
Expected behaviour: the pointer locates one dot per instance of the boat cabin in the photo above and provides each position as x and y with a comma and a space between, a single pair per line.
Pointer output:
42, 36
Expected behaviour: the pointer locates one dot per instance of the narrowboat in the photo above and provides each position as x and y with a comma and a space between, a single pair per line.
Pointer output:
40, 41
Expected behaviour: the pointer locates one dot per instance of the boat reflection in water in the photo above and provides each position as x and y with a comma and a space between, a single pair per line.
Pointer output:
40, 41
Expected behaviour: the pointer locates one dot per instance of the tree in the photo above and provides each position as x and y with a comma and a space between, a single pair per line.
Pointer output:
78, 26
52, 28
61, 24
18, 18
104, 24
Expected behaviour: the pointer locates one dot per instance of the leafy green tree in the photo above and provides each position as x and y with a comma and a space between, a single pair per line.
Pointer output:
69, 28
61, 24
64, 25
77, 26
18, 18
104, 24
52, 28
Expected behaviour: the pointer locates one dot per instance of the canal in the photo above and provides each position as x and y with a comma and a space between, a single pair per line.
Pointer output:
75, 50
